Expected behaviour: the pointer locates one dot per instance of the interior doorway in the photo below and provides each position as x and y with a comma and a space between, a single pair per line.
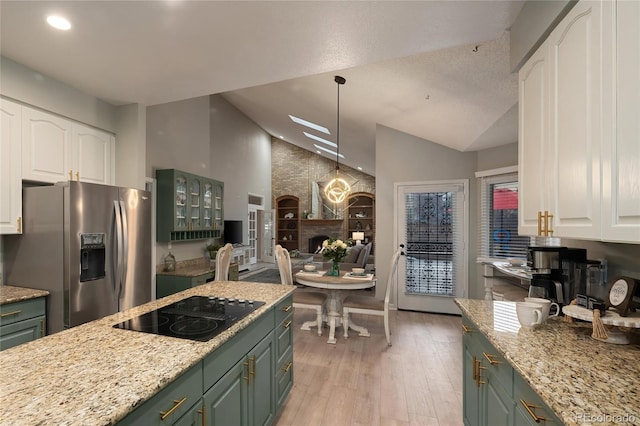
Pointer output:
255, 221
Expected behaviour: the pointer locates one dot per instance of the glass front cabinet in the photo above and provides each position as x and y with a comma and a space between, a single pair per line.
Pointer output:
189, 207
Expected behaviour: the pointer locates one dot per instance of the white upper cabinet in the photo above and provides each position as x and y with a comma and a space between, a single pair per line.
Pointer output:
46, 144
93, 152
55, 149
10, 168
621, 146
575, 122
579, 130
533, 149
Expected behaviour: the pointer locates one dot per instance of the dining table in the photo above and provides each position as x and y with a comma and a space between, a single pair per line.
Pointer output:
337, 286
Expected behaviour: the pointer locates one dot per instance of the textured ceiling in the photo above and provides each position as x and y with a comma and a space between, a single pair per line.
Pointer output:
271, 59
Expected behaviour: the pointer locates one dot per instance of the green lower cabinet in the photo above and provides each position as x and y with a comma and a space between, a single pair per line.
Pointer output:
171, 403
170, 284
494, 394
22, 322
245, 394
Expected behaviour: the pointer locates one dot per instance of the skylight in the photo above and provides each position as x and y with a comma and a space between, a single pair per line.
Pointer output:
309, 124
319, 139
322, 148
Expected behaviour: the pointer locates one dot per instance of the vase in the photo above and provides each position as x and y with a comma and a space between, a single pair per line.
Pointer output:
334, 271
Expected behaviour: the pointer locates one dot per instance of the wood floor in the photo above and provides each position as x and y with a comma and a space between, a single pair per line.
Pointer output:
362, 381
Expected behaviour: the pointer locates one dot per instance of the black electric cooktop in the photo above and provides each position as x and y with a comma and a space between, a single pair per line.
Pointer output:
195, 318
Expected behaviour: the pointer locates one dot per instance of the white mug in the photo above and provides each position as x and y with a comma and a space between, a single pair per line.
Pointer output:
546, 306
529, 314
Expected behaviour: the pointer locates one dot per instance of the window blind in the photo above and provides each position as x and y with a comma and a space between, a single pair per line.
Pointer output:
498, 226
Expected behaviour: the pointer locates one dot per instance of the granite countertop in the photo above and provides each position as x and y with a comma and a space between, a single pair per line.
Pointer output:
94, 374
574, 374
11, 294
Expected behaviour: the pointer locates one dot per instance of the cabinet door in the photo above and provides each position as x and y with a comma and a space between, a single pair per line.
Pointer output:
573, 165
533, 112
181, 210
218, 206
93, 152
226, 402
470, 392
195, 203
10, 167
46, 144
262, 393
497, 405
207, 205
621, 146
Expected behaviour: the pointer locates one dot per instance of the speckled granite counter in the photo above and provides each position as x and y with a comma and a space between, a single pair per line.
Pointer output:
188, 268
11, 294
578, 378
95, 374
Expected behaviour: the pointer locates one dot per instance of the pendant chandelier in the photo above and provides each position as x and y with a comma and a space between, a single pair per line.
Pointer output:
337, 189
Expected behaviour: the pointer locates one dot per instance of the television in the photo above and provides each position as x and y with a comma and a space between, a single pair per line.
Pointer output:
233, 232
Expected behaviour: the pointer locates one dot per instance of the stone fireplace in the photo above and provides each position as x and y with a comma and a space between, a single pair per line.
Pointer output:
315, 242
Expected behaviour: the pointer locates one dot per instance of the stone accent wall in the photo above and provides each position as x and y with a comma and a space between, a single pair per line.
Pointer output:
293, 170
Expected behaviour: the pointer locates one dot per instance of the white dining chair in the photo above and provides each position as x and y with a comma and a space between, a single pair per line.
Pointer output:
223, 262
302, 299
370, 305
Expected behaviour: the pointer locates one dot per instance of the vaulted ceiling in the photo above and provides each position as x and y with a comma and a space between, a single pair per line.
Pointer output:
438, 70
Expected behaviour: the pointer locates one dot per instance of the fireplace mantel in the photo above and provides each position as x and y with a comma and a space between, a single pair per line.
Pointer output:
322, 221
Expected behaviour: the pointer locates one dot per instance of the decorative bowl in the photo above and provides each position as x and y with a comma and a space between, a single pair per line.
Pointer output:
357, 271
309, 267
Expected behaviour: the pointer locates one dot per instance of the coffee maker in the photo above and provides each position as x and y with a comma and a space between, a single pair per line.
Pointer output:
557, 272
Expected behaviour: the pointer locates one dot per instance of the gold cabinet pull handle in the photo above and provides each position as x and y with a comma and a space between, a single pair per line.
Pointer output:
286, 324
8, 314
70, 175
491, 359
530, 409
480, 367
475, 370
20, 225
466, 329
77, 176
550, 225
43, 328
252, 372
248, 376
203, 412
286, 308
176, 404
539, 224
287, 367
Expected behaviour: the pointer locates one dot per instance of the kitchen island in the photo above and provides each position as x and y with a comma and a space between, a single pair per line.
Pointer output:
582, 380
95, 374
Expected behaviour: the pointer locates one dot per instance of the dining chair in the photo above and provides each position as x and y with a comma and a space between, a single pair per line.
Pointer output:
370, 305
223, 261
302, 299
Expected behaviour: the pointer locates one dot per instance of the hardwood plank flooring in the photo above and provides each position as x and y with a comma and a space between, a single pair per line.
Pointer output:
360, 381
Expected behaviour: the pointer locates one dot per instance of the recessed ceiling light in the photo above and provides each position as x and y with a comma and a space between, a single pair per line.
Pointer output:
319, 139
309, 124
322, 148
58, 22
281, 137
359, 168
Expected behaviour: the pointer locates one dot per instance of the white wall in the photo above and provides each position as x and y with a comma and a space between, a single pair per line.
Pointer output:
410, 159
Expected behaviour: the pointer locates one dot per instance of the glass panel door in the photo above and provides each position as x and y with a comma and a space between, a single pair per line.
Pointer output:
181, 202
194, 199
431, 225
207, 204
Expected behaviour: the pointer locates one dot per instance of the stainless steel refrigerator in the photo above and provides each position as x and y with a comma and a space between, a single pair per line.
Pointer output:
89, 245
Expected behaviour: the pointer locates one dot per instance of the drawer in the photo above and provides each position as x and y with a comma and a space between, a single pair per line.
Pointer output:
21, 332
495, 364
283, 309
524, 394
284, 377
20, 311
201, 279
284, 337
171, 402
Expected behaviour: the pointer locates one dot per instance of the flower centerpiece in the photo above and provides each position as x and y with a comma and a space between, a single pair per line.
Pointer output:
336, 251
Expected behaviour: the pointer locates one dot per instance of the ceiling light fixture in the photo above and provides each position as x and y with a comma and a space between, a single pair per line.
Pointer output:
58, 22
337, 189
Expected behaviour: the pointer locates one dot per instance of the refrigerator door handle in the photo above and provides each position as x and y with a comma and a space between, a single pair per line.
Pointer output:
119, 250
125, 243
